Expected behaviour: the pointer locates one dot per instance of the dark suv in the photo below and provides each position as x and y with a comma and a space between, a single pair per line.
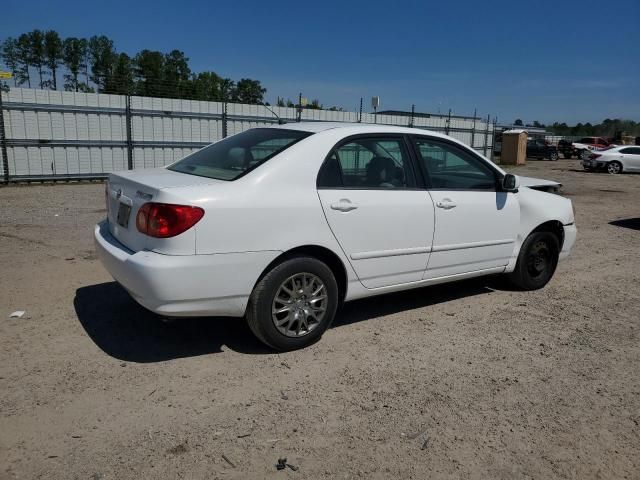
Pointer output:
538, 148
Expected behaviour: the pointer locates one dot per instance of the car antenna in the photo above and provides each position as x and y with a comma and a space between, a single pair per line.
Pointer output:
280, 121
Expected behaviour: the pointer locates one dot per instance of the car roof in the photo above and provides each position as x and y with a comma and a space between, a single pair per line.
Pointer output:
354, 128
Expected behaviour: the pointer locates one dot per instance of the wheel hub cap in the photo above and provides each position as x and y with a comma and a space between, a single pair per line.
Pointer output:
539, 258
299, 305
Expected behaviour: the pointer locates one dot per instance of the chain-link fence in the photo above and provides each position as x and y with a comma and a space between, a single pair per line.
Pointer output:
53, 135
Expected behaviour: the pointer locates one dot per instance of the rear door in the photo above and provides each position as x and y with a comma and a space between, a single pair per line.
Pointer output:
372, 201
476, 225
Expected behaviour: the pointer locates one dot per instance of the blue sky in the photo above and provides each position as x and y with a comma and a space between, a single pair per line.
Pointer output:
537, 60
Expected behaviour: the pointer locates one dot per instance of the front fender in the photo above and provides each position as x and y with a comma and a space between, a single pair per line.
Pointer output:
536, 208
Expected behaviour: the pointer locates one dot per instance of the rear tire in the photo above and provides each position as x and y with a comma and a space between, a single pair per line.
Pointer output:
614, 167
537, 261
293, 304
553, 156
584, 154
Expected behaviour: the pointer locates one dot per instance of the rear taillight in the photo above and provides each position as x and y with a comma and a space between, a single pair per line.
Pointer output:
593, 156
164, 220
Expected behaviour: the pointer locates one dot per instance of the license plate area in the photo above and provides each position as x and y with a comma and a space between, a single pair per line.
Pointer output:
124, 212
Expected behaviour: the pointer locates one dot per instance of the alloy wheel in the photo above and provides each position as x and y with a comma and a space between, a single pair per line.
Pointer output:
614, 167
299, 305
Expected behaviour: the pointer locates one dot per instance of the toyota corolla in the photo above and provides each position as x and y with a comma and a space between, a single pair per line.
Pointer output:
281, 225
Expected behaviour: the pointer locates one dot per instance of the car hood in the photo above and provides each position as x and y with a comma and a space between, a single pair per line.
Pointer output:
537, 182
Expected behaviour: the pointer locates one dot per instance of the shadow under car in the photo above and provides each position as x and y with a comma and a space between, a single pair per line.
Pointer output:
127, 331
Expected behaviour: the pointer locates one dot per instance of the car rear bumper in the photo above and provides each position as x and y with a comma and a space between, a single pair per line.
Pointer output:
183, 285
594, 164
570, 234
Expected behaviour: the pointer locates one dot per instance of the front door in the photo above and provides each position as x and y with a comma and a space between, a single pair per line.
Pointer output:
476, 225
382, 221
631, 158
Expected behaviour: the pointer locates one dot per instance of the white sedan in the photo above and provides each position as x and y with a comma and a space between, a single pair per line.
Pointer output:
283, 224
623, 158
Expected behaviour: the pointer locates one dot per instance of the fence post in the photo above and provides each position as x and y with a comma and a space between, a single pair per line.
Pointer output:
446, 130
224, 120
129, 133
473, 130
360, 117
486, 136
413, 112
493, 137
3, 142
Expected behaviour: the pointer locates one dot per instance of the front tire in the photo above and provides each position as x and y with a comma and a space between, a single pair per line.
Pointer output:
293, 304
614, 168
553, 156
537, 261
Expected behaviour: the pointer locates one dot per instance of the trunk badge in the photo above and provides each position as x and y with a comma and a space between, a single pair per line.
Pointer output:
144, 195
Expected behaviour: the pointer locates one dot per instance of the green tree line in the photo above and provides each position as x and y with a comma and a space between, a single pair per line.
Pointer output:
612, 128
43, 59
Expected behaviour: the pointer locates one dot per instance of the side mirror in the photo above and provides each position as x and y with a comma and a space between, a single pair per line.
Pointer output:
510, 183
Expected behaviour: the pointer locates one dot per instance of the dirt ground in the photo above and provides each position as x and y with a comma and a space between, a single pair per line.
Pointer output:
464, 380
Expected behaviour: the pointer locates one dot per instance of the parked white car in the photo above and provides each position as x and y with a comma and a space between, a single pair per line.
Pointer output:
623, 158
283, 224
586, 145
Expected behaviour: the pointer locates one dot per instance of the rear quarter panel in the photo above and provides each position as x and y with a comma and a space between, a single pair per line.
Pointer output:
274, 207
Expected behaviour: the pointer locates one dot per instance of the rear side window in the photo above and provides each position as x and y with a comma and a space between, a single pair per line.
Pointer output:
587, 141
232, 157
368, 163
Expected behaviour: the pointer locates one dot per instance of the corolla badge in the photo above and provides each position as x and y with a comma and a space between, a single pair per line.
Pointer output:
144, 195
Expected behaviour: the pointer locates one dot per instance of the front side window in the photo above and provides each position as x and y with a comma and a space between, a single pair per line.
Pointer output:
232, 157
368, 163
450, 167
586, 141
631, 150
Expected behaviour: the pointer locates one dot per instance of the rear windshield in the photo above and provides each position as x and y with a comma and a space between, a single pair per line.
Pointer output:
232, 157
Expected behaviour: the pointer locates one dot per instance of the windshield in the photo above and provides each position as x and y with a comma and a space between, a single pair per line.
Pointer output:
232, 157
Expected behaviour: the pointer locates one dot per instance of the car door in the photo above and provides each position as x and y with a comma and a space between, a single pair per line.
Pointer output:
532, 149
541, 147
476, 225
380, 217
631, 159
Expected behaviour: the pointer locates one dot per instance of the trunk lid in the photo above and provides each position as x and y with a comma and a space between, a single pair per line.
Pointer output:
127, 191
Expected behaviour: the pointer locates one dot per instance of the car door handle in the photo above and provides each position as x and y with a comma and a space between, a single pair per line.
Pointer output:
446, 204
344, 205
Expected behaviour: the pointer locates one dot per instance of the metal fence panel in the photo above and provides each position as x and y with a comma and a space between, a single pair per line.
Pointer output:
54, 134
